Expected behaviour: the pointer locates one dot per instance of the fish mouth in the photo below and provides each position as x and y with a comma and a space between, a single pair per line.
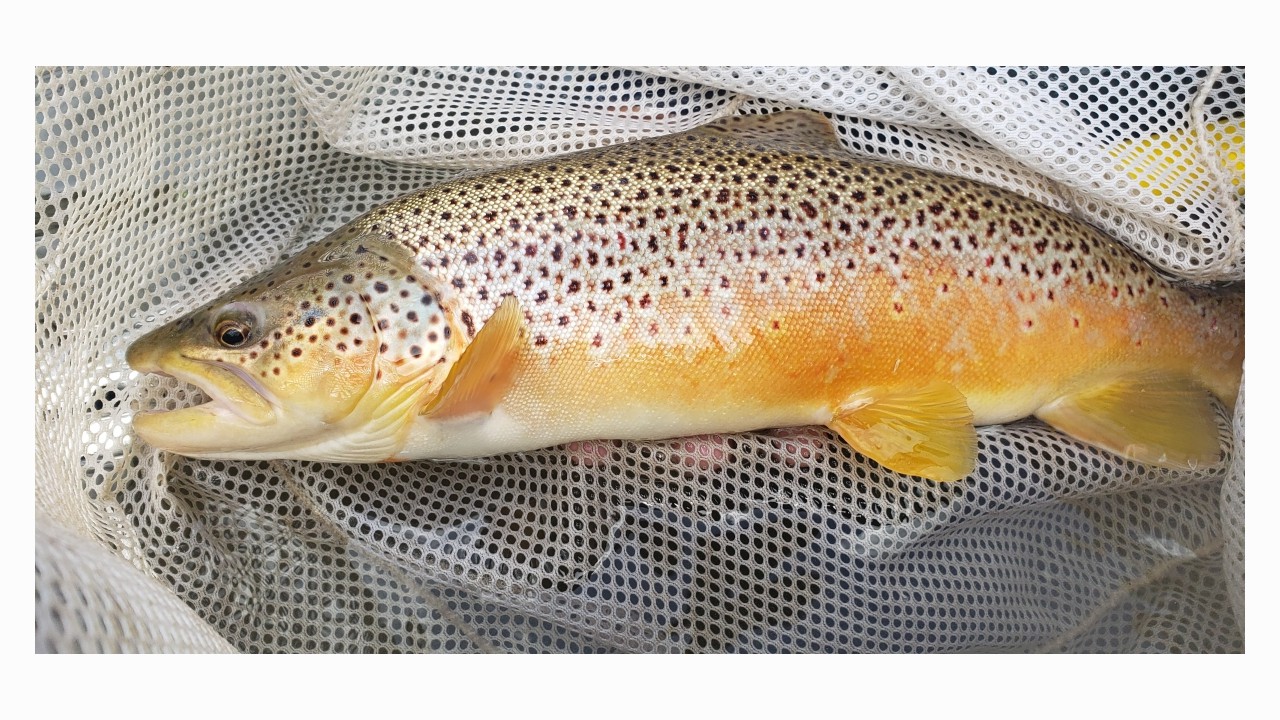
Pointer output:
232, 388
237, 405
229, 388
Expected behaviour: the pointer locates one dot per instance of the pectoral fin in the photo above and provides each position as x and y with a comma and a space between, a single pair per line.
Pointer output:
926, 432
1157, 419
485, 371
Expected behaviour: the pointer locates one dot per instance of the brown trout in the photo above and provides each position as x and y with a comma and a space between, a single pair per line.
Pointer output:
747, 274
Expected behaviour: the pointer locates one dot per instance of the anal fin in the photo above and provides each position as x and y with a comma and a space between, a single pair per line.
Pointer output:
1154, 418
926, 432
486, 370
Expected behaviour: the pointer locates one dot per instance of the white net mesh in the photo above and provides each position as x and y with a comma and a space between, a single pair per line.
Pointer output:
159, 188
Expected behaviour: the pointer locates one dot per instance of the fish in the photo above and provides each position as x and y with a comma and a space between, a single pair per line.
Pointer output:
745, 275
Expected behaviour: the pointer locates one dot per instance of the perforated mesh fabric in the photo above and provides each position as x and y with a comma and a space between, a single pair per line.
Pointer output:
159, 188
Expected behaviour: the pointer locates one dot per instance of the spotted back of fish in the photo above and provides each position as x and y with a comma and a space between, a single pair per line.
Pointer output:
713, 237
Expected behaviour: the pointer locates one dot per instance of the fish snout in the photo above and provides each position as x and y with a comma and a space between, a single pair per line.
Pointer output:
143, 355
147, 353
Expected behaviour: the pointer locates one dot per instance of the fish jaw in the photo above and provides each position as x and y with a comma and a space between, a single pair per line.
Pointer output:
239, 410
194, 432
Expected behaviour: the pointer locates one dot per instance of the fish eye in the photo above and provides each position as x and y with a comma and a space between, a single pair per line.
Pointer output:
232, 333
236, 325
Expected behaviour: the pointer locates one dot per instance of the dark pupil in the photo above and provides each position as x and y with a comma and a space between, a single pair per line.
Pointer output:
232, 337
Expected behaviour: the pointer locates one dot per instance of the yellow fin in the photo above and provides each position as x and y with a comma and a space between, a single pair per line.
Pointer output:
926, 432
483, 374
1156, 419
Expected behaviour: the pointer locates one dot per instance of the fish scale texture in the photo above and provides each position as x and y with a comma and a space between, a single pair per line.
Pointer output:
158, 189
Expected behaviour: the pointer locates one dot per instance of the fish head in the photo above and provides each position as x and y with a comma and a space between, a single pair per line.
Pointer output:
328, 356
